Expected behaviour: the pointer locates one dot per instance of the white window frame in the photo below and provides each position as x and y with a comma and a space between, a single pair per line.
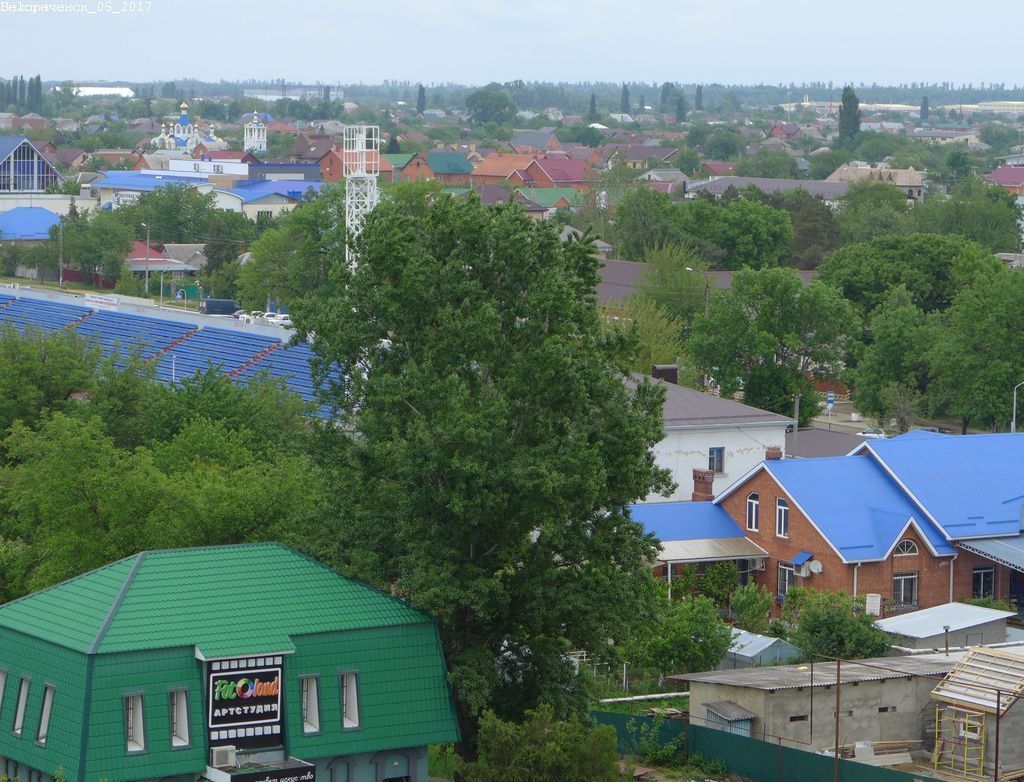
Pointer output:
781, 518
753, 511
43, 732
19, 712
134, 723
903, 579
717, 466
178, 705
990, 572
309, 687
350, 718
905, 548
785, 567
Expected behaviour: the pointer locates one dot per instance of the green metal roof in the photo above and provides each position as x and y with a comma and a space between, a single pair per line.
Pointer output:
549, 196
398, 159
226, 600
448, 162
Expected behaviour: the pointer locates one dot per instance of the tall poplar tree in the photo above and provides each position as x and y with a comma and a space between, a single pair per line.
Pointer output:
924, 108
698, 100
421, 100
592, 113
624, 100
849, 114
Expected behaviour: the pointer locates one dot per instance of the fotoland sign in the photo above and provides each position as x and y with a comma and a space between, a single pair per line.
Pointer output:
244, 703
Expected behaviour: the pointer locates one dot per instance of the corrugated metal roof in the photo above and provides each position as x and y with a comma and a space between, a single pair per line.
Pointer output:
972, 486
788, 677
27, 223
710, 550
685, 520
225, 600
730, 711
686, 408
1008, 551
931, 621
745, 644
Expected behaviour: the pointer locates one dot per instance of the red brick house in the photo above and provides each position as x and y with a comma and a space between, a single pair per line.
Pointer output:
785, 131
908, 523
555, 172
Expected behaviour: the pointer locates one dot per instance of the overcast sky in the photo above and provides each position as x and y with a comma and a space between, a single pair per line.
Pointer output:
477, 41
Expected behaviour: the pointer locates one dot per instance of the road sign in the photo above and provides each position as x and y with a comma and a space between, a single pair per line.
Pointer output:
830, 399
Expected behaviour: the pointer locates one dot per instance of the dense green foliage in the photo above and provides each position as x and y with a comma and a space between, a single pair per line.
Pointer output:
542, 748
832, 624
750, 605
686, 636
496, 446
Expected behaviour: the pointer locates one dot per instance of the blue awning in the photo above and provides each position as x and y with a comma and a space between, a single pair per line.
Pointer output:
802, 557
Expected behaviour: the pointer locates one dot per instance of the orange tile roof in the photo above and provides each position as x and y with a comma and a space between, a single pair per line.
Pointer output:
498, 164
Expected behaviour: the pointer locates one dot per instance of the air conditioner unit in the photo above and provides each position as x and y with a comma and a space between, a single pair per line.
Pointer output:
873, 604
803, 570
224, 757
759, 564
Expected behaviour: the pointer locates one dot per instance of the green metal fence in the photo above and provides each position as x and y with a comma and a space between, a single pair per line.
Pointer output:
766, 761
633, 728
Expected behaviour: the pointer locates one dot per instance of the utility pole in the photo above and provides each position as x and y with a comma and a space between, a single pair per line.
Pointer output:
796, 429
835, 766
147, 257
60, 255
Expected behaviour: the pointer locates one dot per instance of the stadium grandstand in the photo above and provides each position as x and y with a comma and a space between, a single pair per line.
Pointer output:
177, 350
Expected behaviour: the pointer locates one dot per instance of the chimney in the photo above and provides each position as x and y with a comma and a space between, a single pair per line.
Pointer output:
667, 372
772, 452
703, 485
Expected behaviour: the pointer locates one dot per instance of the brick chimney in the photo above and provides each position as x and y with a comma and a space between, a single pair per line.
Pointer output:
667, 372
703, 485
772, 452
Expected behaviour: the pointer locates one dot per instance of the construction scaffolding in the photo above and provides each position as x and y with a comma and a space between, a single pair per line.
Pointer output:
360, 165
959, 742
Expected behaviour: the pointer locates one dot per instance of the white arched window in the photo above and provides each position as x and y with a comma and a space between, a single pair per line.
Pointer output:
905, 548
753, 511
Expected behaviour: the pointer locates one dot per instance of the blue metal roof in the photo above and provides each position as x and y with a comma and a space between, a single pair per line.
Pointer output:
27, 223
859, 509
685, 520
255, 189
10, 143
971, 485
135, 180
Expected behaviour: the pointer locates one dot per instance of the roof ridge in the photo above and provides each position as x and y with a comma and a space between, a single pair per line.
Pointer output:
116, 605
67, 581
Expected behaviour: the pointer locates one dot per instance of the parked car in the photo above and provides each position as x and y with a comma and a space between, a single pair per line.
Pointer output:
873, 433
238, 314
278, 319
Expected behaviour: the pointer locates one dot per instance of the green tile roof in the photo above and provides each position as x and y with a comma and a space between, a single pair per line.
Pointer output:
549, 196
226, 600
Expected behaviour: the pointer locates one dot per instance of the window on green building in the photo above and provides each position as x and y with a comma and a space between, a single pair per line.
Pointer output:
19, 712
179, 718
44, 716
349, 700
310, 704
134, 723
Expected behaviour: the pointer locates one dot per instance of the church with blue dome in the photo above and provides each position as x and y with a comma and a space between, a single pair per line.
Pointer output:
185, 136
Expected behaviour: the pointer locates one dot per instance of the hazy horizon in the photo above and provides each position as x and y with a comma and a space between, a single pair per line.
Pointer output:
472, 43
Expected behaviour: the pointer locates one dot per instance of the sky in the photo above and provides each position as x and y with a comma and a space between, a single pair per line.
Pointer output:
478, 41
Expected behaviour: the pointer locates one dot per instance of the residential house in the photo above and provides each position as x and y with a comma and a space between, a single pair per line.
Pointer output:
32, 121
496, 168
7, 120
541, 140
582, 152
449, 168
908, 180
310, 148
946, 136
829, 192
673, 175
193, 255
116, 156
266, 198
554, 172
268, 666
416, 169
1010, 178
68, 157
551, 198
237, 156
602, 249
785, 131
708, 432
391, 165
718, 168
639, 157
913, 522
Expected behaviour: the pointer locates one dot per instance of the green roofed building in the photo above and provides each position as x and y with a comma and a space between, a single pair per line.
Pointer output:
232, 664
550, 197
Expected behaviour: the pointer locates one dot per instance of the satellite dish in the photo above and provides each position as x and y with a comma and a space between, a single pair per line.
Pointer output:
814, 566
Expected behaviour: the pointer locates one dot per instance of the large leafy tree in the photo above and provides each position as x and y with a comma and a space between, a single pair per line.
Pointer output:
849, 114
490, 105
978, 356
746, 230
687, 636
976, 210
931, 267
871, 210
833, 624
489, 446
769, 334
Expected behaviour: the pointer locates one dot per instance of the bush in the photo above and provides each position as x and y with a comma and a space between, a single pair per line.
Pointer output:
751, 604
542, 749
712, 767
645, 737
989, 602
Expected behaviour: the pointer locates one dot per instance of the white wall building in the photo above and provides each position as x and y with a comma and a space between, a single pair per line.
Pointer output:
255, 134
703, 431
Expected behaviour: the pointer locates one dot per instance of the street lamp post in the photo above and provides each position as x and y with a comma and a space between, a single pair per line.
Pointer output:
60, 256
707, 284
162, 287
1013, 421
147, 257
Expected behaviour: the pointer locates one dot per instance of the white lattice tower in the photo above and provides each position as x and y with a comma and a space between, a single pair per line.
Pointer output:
360, 157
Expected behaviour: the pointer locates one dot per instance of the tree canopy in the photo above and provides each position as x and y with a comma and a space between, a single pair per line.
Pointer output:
496, 445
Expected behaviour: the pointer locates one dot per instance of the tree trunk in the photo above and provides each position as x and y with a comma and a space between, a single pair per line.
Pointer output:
466, 747
963, 425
